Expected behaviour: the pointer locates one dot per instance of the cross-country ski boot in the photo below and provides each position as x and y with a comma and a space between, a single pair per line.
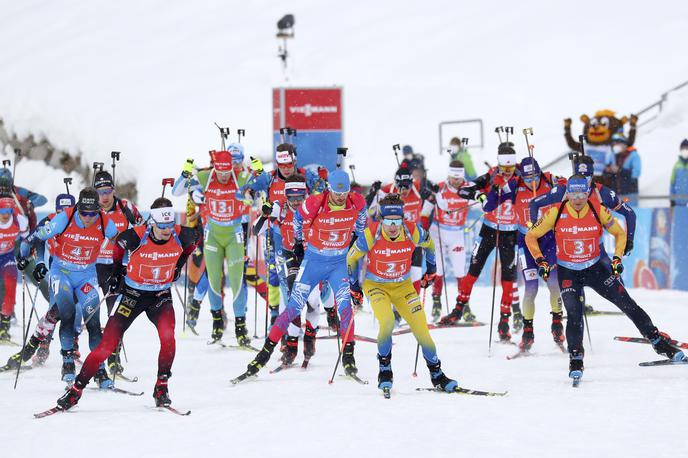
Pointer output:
101, 378
455, 315
348, 360
4, 329
192, 314
114, 363
557, 328
436, 307
218, 325
261, 358
385, 377
438, 379
68, 366
291, 349
517, 320
160, 393
576, 365
503, 327
661, 342
241, 332
23, 355
71, 396
309, 341
528, 336
468, 316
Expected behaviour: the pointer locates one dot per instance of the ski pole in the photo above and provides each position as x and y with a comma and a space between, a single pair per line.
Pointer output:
24, 326
341, 154
470, 228
498, 131
509, 130
526, 132
267, 272
255, 287
396, 149
415, 365
464, 207
241, 133
97, 167
97, 308
186, 293
587, 327
224, 135
494, 275
352, 168
444, 269
346, 336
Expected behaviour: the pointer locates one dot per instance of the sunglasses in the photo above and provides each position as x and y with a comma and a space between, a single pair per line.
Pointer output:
392, 221
296, 199
339, 194
169, 225
88, 214
507, 168
530, 178
577, 195
286, 166
6, 211
105, 191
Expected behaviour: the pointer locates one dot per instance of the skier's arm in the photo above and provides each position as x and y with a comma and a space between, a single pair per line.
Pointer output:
422, 239
357, 251
613, 227
184, 185
37, 200
613, 203
128, 240
540, 228
189, 237
496, 197
556, 195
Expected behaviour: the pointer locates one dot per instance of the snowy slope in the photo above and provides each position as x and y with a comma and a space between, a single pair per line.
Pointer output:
619, 410
149, 78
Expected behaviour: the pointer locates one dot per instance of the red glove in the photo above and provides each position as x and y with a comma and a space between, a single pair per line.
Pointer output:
322, 173
428, 279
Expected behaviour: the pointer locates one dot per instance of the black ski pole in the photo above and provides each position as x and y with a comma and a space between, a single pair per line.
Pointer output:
415, 365
444, 268
509, 131
587, 326
526, 132
240, 133
396, 149
115, 157
581, 140
281, 131
346, 336
224, 135
97, 167
255, 286
352, 168
67, 181
25, 328
186, 292
494, 275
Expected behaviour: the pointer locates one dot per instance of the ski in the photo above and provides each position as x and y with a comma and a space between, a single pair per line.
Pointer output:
431, 326
355, 378
506, 342
47, 413
114, 389
519, 354
281, 367
561, 347
643, 340
192, 329
467, 391
664, 362
171, 409
604, 313
125, 378
233, 347
7, 367
240, 378
356, 337
387, 392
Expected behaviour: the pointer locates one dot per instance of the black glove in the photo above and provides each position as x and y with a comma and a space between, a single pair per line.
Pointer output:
425, 194
629, 247
466, 193
39, 272
267, 208
116, 281
376, 186
177, 273
543, 268
298, 250
22, 262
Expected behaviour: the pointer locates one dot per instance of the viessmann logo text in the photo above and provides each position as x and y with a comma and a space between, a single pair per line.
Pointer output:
308, 109
576, 229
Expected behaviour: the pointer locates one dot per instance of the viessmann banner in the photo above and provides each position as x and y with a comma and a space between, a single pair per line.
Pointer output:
317, 116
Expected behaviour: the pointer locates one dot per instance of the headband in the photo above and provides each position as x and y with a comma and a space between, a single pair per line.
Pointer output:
457, 172
392, 210
162, 215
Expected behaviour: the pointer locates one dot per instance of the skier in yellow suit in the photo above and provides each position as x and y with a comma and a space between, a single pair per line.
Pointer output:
389, 244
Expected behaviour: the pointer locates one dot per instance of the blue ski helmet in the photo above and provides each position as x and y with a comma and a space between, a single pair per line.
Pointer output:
237, 151
339, 181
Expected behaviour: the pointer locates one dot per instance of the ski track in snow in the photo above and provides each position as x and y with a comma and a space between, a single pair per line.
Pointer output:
620, 409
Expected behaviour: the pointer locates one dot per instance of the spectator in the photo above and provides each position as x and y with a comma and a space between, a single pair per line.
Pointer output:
461, 153
411, 159
679, 175
628, 167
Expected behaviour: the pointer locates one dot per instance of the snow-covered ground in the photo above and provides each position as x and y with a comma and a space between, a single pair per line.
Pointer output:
620, 409
150, 78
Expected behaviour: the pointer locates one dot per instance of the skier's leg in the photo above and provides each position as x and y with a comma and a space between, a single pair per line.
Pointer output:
381, 303
411, 309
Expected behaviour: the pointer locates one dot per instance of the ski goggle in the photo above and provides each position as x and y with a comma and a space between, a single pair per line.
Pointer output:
577, 195
339, 195
530, 178
105, 191
507, 168
88, 214
6, 211
404, 184
169, 225
294, 200
286, 166
392, 221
